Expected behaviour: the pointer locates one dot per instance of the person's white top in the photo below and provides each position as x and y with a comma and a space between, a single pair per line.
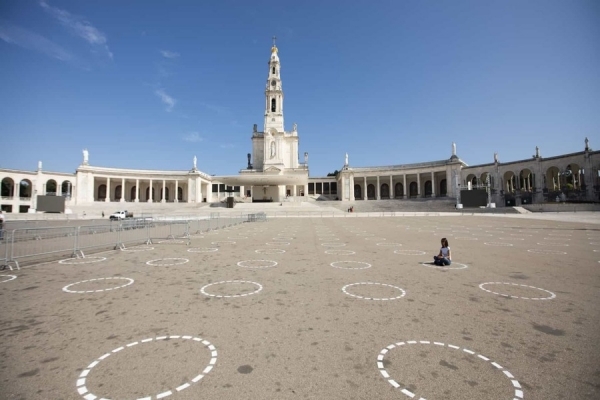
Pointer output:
445, 251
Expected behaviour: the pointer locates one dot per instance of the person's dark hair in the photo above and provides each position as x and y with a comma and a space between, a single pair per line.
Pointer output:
444, 242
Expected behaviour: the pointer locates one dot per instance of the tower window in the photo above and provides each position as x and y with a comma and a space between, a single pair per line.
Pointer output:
273, 105
273, 70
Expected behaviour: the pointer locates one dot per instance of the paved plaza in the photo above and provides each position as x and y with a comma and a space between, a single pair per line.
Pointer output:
315, 308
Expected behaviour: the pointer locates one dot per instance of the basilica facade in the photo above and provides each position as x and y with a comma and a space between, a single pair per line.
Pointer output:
276, 173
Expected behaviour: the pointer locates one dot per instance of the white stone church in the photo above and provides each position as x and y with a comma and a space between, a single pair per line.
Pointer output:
275, 173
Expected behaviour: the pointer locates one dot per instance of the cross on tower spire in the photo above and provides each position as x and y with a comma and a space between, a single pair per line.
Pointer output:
274, 39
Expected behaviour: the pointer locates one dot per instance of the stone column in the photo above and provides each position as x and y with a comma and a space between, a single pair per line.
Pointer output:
432, 184
365, 197
418, 184
107, 199
404, 176
218, 192
294, 191
137, 191
150, 193
162, 200
378, 192
176, 191
306, 190
122, 190
352, 188
391, 191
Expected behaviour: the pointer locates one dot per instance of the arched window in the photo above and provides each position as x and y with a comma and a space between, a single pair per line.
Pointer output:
273, 105
166, 194
133, 191
385, 191
118, 192
8, 187
102, 192
371, 191
398, 190
66, 188
179, 193
428, 188
25, 188
273, 70
357, 192
51, 187
414, 190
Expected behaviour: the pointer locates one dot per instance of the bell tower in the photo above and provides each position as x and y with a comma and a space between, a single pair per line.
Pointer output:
274, 95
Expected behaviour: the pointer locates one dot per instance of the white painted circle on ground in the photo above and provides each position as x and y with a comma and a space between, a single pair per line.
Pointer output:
66, 288
402, 291
389, 244
223, 241
552, 295
10, 278
340, 252
380, 365
498, 244
258, 285
165, 262
410, 252
261, 264
138, 248
361, 265
85, 260
277, 243
333, 244
269, 251
546, 251
554, 244
83, 391
171, 241
202, 249
451, 266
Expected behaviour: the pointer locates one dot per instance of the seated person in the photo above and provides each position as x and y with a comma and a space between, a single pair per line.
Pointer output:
444, 257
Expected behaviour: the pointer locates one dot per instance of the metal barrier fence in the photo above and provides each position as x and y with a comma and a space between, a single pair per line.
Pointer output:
39, 244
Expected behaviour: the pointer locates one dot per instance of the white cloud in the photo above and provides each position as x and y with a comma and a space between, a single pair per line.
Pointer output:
165, 98
80, 27
169, 54
32, 41
193, 137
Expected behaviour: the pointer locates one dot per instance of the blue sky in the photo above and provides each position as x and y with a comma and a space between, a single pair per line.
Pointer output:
149, 84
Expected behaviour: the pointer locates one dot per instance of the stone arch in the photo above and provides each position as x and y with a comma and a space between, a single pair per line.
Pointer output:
471, 178
385, 191
179, 193
102, 192
118, 192
51, 187
66, 188
526, 180
483, 179
8, 187
166, 196
371, 191
510, 182
149, 196
25, 188
132, 193
428, 188
398, 190
273, 105
413, 189
552, 176
443, 188
573, 180
357, 191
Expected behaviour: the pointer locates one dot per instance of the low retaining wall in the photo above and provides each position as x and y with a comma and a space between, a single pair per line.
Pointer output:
561, 207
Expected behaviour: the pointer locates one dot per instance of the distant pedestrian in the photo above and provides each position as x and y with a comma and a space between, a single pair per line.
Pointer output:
1, 225
444, 257
102, 214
